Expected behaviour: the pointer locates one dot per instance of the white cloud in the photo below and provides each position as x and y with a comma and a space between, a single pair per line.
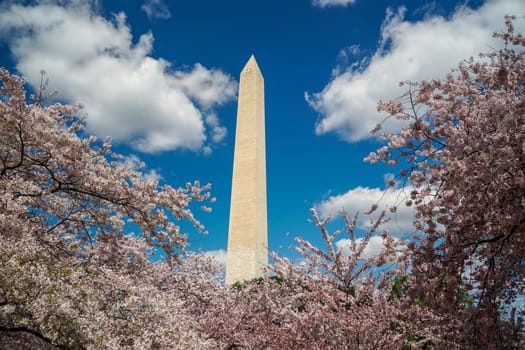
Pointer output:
207, 150
352, 50
407, 51
373, 248
218, 132
327, 3
343, 60
219, 255
207, 87
133, 162
156, 9
129, 95
361, 199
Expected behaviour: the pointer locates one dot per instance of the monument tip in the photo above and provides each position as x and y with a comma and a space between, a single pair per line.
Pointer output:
251, 64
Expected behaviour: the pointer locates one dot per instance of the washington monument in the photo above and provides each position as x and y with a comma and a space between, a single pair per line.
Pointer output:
248, 232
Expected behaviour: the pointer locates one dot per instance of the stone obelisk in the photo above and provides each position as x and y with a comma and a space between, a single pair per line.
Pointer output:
248, 232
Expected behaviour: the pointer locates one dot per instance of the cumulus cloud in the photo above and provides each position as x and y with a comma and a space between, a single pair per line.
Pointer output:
347, 59
413, 51
129, 95
328, 3
156, 9
218, 132
345, 53
361, 199
207, 87
134, 162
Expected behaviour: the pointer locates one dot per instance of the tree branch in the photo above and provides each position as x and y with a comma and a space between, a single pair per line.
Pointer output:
21, 329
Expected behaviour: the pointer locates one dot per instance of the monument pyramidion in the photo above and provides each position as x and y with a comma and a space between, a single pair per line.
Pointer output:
248, 232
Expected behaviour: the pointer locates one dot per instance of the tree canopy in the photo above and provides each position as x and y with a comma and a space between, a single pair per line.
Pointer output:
78, 227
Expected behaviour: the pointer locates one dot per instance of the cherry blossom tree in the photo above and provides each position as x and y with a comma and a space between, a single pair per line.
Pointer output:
328, 300
463, 152
78, 228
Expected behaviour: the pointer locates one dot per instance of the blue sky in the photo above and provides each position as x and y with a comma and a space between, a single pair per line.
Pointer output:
160, 77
